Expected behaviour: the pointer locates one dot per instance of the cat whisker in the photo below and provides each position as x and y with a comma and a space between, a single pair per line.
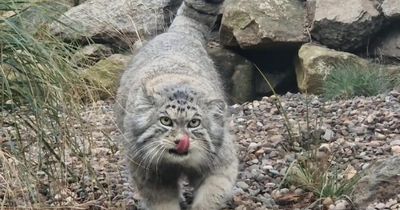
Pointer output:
156, 150
158, 160
138, 152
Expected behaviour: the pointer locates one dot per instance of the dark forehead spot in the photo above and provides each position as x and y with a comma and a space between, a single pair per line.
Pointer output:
179, 94
181, 109
182, 102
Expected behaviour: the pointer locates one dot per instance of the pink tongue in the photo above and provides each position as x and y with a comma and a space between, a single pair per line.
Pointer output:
183, 146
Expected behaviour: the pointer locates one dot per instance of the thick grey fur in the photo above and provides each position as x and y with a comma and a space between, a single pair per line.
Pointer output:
173, 76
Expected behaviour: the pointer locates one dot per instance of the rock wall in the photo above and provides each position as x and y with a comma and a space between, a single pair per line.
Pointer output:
284, 39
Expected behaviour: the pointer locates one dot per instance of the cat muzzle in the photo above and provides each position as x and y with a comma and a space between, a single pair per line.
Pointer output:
182, 145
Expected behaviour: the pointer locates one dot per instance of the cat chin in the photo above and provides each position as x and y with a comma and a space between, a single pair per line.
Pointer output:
192, 157
174, 157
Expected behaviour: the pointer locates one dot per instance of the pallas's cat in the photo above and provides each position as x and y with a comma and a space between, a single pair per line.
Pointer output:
172, 112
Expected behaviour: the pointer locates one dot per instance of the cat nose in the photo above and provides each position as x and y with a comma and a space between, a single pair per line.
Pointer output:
177, 141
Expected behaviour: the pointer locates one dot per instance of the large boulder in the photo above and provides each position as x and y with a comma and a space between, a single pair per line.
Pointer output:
120, 22
39, 14
263, 23
105, 74
387, 44
391, 9
314, 64
381, 182
345, 24
236, 72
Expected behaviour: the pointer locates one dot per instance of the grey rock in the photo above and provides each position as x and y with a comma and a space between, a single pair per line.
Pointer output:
345, 24
328, 135
391, 9
341, 205
298, 191
90, 54
40, 14
395, 150
381, 181
253, 146
254, 192
380, 205
242, 185
267, 201
263, 23
395, 143
236, 71
370, 208
316, 62
238, 190
119, 22
284, 191
105, 74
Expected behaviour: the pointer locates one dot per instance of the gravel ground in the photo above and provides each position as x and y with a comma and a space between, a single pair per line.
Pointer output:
357, 132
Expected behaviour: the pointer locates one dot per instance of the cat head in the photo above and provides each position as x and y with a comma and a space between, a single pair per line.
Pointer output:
175, 125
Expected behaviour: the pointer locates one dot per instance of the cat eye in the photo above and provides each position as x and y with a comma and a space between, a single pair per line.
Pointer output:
194, 123
166, 121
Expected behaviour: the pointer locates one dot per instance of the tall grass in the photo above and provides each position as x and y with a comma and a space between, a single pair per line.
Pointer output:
40, 95
348, 80
316, 173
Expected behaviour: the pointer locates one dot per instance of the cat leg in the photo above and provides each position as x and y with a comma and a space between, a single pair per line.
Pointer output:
215, 189
159, 197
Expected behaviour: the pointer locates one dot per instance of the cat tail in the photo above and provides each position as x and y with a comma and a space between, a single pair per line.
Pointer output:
202, 13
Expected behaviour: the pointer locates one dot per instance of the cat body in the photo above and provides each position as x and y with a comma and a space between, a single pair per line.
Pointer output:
173, 116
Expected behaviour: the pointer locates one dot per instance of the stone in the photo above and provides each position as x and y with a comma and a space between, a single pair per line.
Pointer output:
42, 13
105, 74
119, 22
380, 206
391, 9
327, 201
345, 24
341, 205
263, 24
91, 54
395, 142
314, 64
253, 146
242, 185
395, 150
236, 71
328, 135
380, 182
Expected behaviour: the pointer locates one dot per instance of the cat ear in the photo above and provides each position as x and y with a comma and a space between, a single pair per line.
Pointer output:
145, 99
217, 108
